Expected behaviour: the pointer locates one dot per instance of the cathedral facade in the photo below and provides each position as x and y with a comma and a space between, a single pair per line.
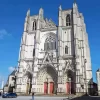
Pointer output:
54, 58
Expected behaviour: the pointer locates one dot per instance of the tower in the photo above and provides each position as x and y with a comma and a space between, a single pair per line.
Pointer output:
29, 51
84, 82
73, 49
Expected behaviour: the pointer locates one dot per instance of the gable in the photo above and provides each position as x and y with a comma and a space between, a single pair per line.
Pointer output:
47, 59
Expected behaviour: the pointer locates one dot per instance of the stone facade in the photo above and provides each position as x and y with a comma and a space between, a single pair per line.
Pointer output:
54, 59
98, 81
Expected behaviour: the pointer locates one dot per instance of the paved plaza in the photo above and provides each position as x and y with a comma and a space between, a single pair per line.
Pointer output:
36, 98
50, 98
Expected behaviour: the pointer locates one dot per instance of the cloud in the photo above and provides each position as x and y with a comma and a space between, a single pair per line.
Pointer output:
11, 69
4, 33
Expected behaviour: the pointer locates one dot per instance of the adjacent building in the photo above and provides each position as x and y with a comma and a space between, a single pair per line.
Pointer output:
54, 58
10, 85
98, 81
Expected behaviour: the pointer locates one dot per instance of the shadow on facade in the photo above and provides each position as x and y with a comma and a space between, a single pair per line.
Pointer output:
92, 90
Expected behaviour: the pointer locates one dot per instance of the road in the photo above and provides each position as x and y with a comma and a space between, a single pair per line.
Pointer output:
35, 98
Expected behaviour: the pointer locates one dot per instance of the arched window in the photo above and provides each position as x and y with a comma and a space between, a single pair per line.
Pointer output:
68, 22
50, 43
34, 25
33, 52
66, 49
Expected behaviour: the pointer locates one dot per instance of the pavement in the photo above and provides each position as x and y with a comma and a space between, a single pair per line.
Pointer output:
52, 98
35, 98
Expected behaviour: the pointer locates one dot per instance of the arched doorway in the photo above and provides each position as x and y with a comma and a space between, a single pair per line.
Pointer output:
28, 82
70, 85
47, 76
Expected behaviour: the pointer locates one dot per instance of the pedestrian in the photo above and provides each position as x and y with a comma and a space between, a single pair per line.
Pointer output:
33, 96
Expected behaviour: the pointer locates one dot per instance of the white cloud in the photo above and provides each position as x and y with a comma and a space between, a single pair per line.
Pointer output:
3, 33
11, 69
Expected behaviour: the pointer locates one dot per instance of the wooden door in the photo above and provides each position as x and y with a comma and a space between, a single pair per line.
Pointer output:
45, 87
51, 87
72, 88
68, 87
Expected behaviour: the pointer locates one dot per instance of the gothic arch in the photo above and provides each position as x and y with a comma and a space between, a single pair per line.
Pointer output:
34, 25
68, 73
47, 74
68, 20
47, 77
47, 35
28, 74
44, 68
66, 49
69, 77
27, 81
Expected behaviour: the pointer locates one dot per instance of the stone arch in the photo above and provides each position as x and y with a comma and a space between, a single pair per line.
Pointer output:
28, 74
45, 66
27, 80
69, 76
70, 73
47, 74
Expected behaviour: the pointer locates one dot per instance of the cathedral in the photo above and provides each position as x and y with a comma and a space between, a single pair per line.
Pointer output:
54, 59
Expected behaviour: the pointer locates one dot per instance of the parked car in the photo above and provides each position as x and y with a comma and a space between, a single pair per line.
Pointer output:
9, 95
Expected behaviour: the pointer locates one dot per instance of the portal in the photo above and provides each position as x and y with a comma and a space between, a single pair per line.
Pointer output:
48, 75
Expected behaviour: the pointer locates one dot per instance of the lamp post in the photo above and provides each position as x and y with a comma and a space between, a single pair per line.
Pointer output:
85, 61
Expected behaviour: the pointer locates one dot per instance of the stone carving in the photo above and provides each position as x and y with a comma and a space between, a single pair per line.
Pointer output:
49, 23
19, 81
68, 66
81, 80
24, 79
27, 69
24, 70
47, 59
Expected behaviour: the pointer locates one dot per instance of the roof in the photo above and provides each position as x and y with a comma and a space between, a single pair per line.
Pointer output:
13, 73
6, 83
94, 83
98, 70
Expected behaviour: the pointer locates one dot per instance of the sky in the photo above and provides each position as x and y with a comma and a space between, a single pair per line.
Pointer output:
12, 17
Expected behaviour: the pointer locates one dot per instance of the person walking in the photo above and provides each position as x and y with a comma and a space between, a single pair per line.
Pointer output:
33, 96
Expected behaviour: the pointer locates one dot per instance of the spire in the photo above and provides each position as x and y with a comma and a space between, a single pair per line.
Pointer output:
28, 12
60, 8
74, 1
75, 4
41, 12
